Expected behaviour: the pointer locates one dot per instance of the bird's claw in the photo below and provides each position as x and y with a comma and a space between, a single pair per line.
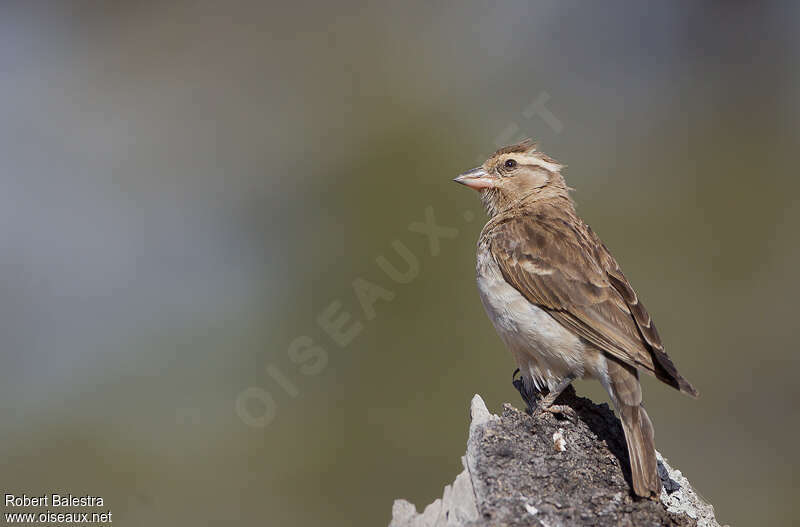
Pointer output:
566, 411
528, 397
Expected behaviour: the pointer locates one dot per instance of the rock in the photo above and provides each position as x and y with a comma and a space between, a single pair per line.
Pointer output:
679, 496
550, 471
455, 507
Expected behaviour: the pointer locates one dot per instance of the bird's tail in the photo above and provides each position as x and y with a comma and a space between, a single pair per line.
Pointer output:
641, 450
627, 396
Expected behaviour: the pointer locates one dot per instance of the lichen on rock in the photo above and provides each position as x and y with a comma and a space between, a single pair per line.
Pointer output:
548, 470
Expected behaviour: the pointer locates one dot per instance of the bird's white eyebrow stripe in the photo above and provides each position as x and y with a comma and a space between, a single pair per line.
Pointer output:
529, 159
541, 163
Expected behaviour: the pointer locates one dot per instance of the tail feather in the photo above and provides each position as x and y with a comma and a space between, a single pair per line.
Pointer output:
626, 393
640, 437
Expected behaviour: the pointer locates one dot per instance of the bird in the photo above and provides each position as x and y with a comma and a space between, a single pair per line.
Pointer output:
560, 302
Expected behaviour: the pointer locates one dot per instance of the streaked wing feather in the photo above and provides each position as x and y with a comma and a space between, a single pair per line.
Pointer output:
556, 267
664, 368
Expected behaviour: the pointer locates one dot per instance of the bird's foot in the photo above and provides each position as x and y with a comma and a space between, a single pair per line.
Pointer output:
566, 411
528, 396
547, 404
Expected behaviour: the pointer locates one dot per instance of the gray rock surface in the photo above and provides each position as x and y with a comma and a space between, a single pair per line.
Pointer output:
549, 471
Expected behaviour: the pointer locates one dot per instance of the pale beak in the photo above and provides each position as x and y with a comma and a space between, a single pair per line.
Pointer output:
476, 178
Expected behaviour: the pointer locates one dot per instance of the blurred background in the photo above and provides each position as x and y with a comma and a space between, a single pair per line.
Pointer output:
190, 191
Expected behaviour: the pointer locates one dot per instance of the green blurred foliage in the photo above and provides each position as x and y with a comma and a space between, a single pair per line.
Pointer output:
189, 186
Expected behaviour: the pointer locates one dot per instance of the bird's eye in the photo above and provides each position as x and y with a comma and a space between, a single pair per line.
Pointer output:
510, 163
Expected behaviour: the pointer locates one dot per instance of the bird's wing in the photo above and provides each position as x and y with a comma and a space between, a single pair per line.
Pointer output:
644, 322
567, 270
556, 266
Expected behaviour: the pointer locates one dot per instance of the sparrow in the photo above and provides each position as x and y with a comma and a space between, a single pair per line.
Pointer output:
559, 300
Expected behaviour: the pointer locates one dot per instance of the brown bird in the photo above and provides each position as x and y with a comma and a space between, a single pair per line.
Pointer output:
559, 300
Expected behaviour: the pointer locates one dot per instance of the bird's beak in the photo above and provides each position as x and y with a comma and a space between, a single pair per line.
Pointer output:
476, 178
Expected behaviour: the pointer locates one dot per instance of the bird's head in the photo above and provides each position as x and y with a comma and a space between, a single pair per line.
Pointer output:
513, 175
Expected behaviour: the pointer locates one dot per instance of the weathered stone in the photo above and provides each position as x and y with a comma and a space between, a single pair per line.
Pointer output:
550, 471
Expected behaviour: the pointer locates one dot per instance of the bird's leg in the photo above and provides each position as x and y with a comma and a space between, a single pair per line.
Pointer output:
546, 404
527, 395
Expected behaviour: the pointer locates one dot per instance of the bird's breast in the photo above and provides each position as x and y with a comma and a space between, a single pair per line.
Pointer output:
538, 342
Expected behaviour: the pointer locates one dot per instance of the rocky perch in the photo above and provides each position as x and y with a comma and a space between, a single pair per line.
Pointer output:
550, 471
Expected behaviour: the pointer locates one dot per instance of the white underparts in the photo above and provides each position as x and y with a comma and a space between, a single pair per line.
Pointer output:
545, 351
